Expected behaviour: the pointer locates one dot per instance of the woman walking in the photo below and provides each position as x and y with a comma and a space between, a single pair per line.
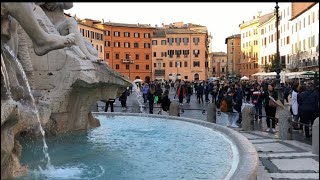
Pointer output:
271, 108
151, 94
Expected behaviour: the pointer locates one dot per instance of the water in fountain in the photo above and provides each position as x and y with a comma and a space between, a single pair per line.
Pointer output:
5, 77
138, 95
8, 53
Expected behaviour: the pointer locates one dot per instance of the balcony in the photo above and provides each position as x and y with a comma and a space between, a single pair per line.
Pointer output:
309, 63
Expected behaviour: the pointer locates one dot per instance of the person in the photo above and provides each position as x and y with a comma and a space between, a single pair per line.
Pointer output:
109, 102
151, 94
231, 112
123, 100
257, 98
294, 106
309, 103
181, 92
270, 110
206, 91
238, 101
189, 92
42, 41
165, 102
55, 12
145, 89
199, 91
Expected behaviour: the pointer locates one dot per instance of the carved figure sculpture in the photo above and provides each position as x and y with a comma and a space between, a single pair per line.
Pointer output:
55, 12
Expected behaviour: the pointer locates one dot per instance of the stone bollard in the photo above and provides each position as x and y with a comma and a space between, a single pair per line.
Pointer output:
285, 123
135, 107
212, 113
174, 109
315, 136
248, 117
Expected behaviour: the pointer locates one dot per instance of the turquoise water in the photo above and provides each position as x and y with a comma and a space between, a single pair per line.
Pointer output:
132, 147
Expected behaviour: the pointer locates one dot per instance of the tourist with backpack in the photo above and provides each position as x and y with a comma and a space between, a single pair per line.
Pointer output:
227, 107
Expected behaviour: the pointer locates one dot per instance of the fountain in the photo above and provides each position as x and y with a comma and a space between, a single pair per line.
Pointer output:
46, 108
47, 84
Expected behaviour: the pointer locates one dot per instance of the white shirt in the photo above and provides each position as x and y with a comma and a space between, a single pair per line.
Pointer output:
294, 102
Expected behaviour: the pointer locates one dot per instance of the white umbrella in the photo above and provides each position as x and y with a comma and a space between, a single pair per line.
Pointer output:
137, 80
244, 78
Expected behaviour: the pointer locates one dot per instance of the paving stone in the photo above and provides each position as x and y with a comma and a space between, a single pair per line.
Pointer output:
296, 164
251, 136
295, 175
263, 140
277, 155
272, 147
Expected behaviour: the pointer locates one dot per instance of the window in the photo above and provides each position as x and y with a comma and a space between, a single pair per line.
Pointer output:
107, 33
97, 47
178, 64
163, 42
154, 54
147, 67
146, 45
127, 66
185, 41
214, 70
196, 53
222, 70
186, 64
137, 66
154, 42
117, 56
288, 39
107, 55
196, 40
126, 34
100, 48
185, 53
178, 52
163, 54
185, 77
117, 34
170, 64
164, 65
116, 44
171, 53
137, 56
196, 63
127, 56
107, 43
117, 66
170, 41
178, 40
147, 56
136, 35
136, 45
126, 44
146, 35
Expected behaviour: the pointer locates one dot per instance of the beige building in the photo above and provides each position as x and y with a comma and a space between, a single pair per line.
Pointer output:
233, 56
180, 51
93, 34
218, 64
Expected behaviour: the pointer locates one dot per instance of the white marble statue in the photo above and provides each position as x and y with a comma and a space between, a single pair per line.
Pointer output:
65, 26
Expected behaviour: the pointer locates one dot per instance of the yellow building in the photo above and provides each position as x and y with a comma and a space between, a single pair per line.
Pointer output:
250, 46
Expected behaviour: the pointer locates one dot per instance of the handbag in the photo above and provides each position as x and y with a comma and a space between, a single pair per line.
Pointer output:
272, 103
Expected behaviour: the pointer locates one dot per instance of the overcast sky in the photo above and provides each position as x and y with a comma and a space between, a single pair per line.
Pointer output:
222, 19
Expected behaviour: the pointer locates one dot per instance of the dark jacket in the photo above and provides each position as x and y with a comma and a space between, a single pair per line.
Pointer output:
266, 98
165, 103
308, 101
229, 100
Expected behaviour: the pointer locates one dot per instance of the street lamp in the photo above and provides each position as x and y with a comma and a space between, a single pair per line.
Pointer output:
278, 69
128, 61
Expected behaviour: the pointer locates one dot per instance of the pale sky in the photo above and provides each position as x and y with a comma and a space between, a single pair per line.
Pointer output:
221, 19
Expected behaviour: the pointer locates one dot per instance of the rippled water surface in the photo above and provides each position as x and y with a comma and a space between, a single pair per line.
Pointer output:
132, 147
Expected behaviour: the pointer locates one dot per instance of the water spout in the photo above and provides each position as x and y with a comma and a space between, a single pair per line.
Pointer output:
9, 54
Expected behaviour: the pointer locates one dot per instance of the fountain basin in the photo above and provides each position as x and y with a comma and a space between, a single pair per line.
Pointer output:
143, 146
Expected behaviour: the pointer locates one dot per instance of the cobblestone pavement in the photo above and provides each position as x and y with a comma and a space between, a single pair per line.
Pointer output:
289, 159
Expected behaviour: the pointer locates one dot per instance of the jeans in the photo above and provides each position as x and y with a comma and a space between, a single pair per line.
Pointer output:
145, 97
258, 108
232, 117
188, 98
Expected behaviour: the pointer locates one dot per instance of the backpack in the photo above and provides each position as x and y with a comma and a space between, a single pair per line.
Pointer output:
223, 106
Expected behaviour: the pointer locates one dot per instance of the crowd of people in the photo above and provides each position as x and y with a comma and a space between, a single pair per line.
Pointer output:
229, 98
